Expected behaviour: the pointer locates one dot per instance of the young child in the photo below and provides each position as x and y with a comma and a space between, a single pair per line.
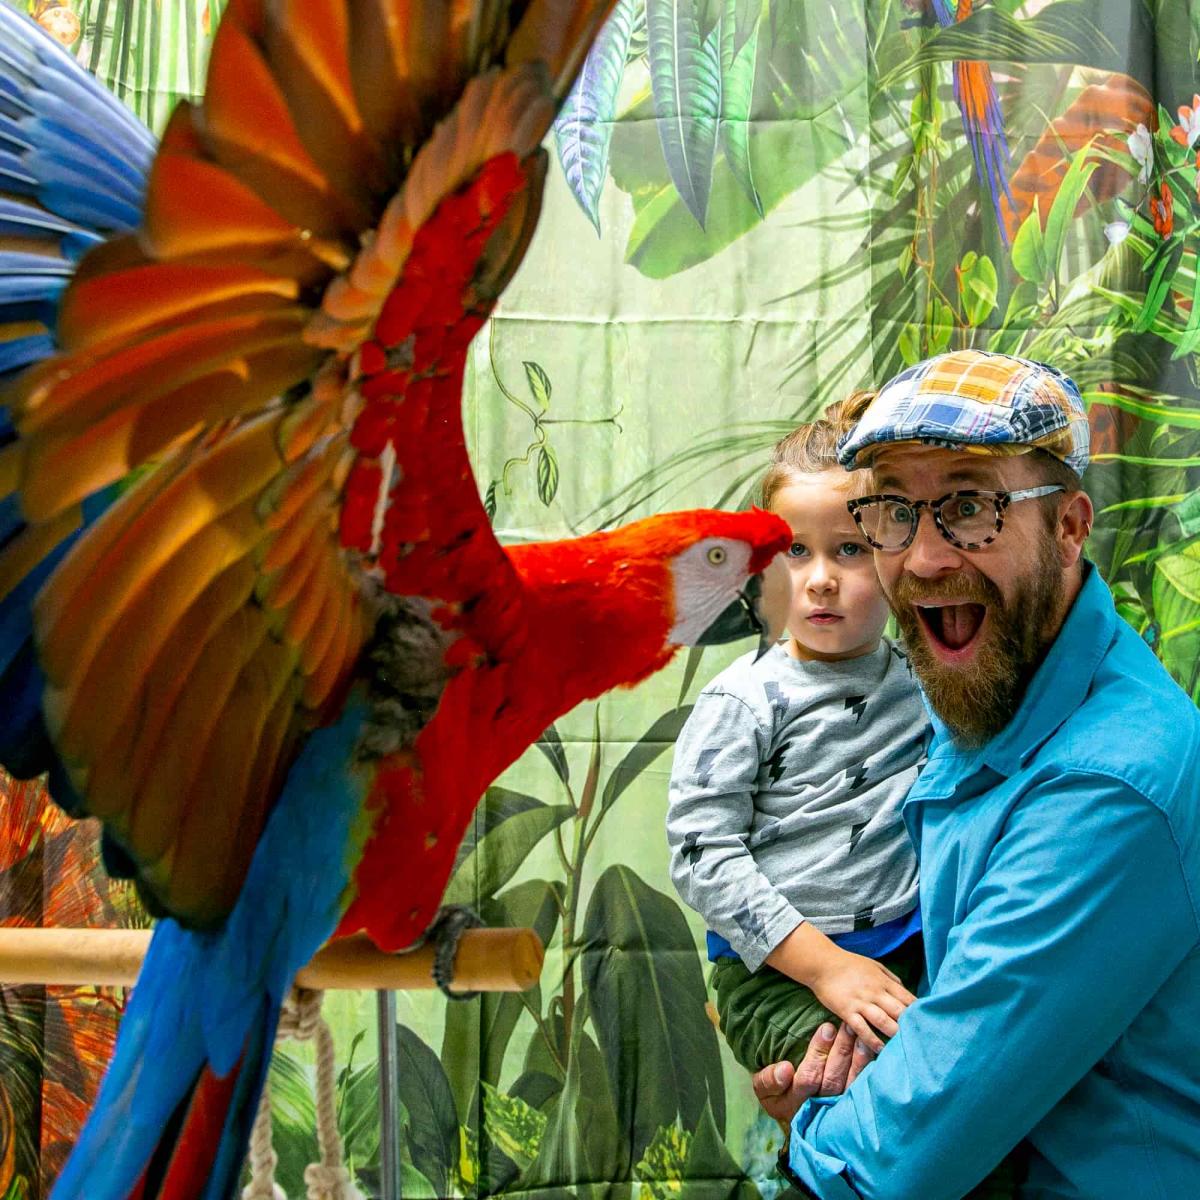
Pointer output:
784, 820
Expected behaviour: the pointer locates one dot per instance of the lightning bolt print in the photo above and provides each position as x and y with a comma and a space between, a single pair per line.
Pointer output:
704, 765
857, 705
775, 763
776, 699
865, 917
856, 778
856, 832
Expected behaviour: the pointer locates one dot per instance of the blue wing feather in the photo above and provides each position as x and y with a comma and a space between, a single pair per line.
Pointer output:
73, 167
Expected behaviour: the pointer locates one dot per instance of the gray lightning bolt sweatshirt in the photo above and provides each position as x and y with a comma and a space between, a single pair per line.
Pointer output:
785, 797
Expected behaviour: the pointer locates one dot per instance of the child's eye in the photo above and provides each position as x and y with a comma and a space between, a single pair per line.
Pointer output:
797, 550
851, 549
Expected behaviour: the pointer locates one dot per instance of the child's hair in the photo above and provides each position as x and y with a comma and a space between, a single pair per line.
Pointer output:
812, 448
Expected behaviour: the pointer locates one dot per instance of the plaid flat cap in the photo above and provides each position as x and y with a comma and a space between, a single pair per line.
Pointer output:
978, 401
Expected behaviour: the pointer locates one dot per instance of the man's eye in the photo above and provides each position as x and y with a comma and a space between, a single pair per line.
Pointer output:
797, 550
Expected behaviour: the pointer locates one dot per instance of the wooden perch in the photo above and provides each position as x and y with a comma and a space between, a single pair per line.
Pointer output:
488, 960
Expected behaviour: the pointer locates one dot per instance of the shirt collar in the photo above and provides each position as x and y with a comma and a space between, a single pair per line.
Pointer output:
1058, 687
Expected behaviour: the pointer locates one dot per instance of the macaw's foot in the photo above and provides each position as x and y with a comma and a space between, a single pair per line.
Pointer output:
448, 926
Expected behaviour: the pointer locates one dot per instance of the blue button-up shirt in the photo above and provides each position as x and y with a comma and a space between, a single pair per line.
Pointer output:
1060, 874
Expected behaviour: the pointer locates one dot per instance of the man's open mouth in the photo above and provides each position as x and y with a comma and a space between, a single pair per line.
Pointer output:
952, 628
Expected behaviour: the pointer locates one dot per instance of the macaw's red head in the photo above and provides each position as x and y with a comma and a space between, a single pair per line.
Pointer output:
727, 580
634, 595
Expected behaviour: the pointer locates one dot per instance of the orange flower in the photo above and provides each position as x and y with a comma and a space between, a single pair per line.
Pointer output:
1161, 210
1187, 132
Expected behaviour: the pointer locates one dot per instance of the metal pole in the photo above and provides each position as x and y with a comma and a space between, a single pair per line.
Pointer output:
389, 1100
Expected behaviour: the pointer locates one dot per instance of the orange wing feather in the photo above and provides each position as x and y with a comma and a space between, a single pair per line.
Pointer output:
212, 616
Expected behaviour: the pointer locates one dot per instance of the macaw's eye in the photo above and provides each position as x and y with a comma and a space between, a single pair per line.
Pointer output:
717, 555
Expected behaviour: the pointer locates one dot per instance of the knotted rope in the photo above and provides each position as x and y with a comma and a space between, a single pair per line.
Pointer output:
301, 1020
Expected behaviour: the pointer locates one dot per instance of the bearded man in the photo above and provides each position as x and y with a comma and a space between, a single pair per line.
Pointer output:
1057, 824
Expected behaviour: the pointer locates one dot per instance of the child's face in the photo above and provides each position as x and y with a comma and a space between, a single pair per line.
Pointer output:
838, 608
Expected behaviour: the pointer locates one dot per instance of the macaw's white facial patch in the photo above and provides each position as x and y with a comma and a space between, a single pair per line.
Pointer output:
708, 578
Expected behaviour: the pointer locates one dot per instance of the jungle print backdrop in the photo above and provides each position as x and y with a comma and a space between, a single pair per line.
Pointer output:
758, 206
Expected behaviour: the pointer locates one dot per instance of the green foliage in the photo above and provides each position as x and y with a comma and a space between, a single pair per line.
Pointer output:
739, 65
977, 285
646, 993
685, 74
583, 129
514, 1127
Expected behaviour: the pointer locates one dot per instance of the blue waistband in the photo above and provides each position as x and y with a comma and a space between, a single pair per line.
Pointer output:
873, 943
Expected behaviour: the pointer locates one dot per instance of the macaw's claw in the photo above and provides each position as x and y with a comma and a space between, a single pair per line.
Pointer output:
447, 929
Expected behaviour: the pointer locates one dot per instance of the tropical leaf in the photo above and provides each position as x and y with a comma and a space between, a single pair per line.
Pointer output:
1066, 200
424, 1090
294, 1118
506, 827
659, 737
710, 1170
539, 385
477, 1034
1176, 598
1028, 248
550, 744
512, 1125
664, 239
1161, 267
646, 995
583, 129
663, 1167
583, 1142
547, 475
685, 75
739, 64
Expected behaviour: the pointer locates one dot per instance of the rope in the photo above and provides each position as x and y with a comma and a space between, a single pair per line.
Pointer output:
301, 1020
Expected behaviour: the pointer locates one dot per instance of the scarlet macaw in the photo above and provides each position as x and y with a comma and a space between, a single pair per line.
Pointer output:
982, 120
252, 613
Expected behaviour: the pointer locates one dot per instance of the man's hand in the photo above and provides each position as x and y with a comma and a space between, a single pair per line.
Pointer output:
829, 1066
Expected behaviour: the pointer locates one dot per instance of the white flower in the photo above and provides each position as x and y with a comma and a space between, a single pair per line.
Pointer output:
1142, 149
1116, 232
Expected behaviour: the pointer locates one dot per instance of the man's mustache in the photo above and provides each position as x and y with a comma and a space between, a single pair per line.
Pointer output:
966, 588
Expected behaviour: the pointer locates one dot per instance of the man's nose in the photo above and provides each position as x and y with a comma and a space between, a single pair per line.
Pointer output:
930, 554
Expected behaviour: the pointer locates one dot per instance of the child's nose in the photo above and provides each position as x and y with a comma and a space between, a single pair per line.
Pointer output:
821, 578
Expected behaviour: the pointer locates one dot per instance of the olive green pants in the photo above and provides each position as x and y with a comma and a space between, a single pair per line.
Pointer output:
767, 1017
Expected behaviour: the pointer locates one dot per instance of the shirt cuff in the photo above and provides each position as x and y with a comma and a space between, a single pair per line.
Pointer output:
773, 931
818, 1174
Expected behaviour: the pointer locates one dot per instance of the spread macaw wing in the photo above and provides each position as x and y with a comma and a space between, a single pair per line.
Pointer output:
268, 372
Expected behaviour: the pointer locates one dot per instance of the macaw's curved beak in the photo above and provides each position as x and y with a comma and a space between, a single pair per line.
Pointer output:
761, 608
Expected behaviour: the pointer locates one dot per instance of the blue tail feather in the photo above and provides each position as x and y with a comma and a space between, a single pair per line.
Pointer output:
212, 998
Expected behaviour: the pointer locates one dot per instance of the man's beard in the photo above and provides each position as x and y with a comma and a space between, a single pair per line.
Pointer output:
977, 701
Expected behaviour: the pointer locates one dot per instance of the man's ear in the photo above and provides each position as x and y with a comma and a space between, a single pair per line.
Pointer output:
1075, 517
